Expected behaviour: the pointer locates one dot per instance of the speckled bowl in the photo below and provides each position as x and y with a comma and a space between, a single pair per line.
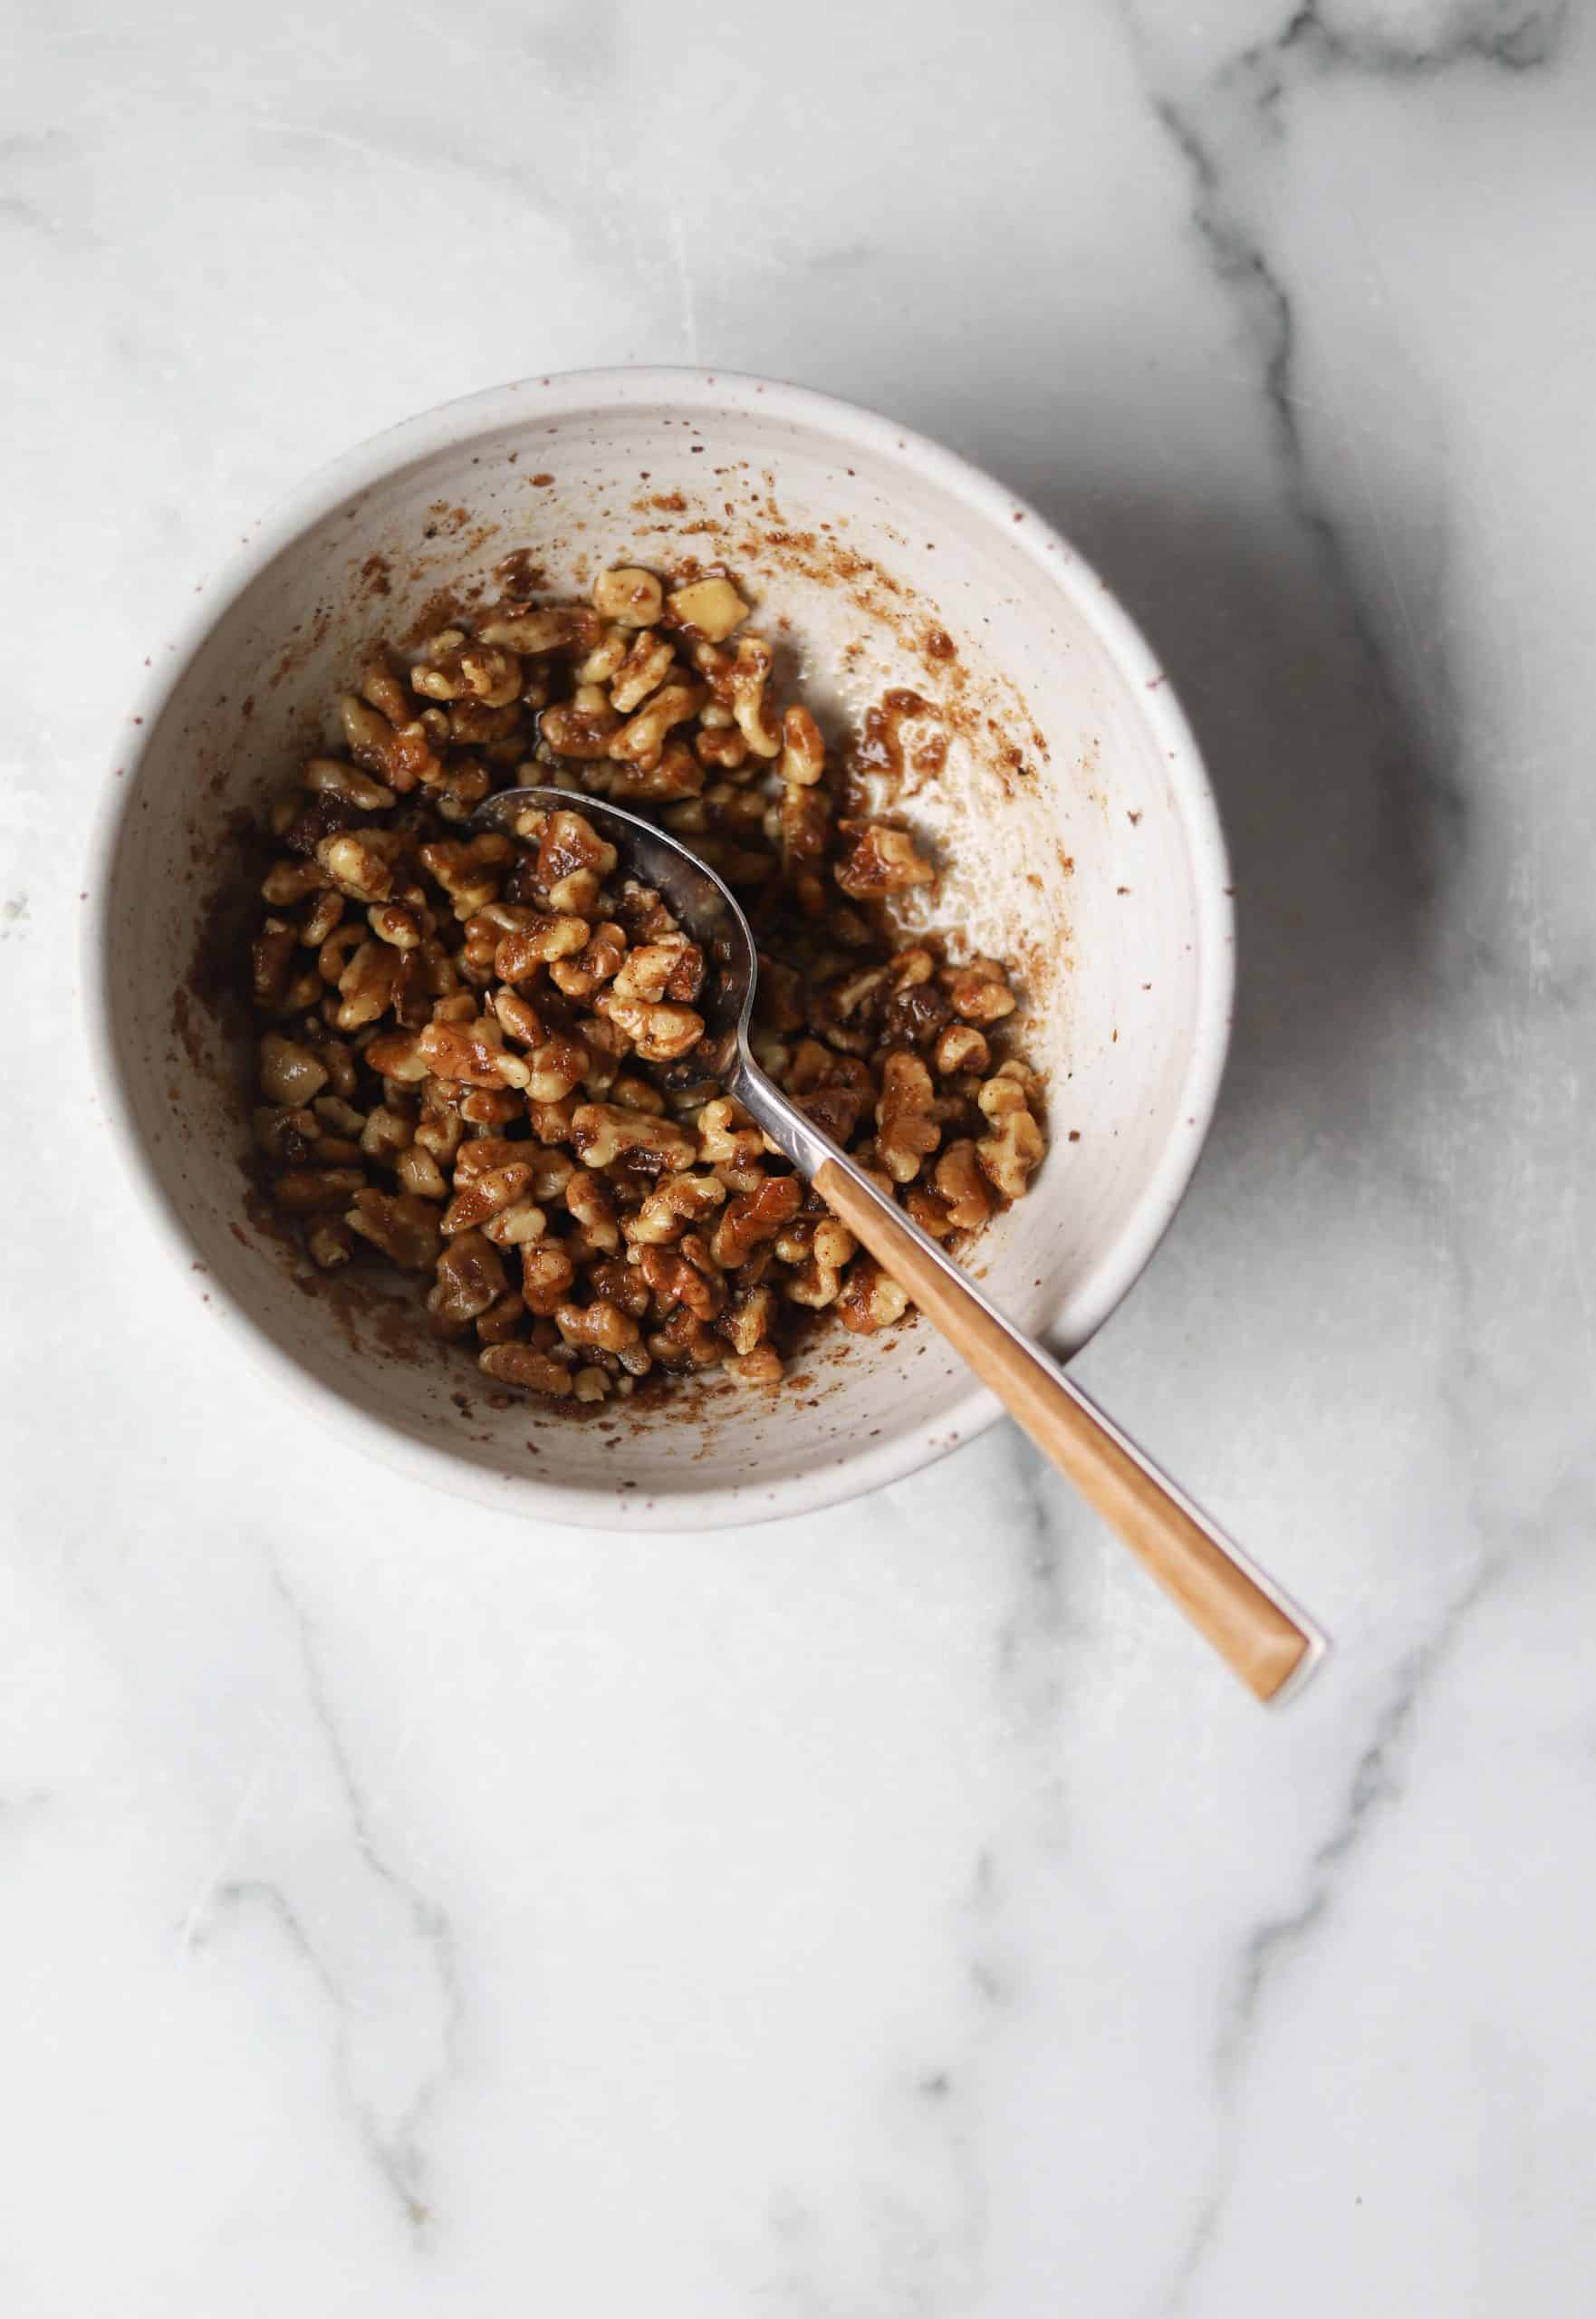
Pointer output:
1071, 811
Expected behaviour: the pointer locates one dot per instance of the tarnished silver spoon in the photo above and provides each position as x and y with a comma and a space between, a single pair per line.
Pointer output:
1245, 1617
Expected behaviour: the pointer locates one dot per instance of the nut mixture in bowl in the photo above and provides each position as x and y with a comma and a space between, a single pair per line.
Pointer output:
476, 1051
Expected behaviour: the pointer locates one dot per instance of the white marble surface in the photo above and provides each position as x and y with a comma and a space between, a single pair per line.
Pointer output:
893, 1914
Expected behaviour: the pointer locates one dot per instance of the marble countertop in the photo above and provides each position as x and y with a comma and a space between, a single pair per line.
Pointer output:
895, 1915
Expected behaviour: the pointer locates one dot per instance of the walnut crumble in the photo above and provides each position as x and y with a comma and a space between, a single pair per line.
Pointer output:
475, 1047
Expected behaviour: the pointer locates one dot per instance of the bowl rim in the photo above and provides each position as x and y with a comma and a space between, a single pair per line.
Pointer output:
573, 393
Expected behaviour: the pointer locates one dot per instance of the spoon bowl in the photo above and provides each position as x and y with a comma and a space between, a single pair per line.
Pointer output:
696, 895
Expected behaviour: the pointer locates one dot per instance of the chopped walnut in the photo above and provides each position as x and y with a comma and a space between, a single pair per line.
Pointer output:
685, 1343
470, 1277
817, 1281
753, 1216
582, 730
401, 754
556, 628
366, 986
728, 1137
803, 753
641, 739
397, 1054
307, 1191
907, 1133
871, 1300
405, 1229
470, 870
929, 1211
481, 1195
601, 1327
643, 670
707, 608
675, 1279
329, 1243
289, 1073
602, 1135
673, 1208
958, 1179
512, 1226
744, 686
356, 867
572, 859
501, 1322
879, 862
587, 1200
630, 597
1012, 1153
677, 774
547, 1275
671, 967
416, 1170
598, 962
961, 1048
979, 992
523, 951
662, 1033
519, 1364
750, 1318
466, 1052
454, 666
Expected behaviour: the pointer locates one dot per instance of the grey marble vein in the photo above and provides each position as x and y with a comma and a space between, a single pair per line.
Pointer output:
1036, 1536
1273, 1946
1365, 36
391, 2131
1426, 803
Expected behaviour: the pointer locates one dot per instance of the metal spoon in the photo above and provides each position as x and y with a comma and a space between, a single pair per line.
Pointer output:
1246, 1618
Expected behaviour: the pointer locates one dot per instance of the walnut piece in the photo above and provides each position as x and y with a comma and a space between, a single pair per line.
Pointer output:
879, 862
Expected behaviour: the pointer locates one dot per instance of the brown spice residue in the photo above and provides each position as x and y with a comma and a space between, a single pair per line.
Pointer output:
371, 1321
302, 647
184, 1030
234, 860
880, 749
520, 574
267, 1223
440, 611
376, 573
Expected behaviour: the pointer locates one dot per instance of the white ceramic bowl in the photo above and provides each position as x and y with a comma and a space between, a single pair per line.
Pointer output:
1072, 811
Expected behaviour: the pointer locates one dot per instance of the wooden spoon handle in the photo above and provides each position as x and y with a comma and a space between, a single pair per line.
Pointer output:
1237, 1610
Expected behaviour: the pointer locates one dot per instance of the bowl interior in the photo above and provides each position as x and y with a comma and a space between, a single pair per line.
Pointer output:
1067, 811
